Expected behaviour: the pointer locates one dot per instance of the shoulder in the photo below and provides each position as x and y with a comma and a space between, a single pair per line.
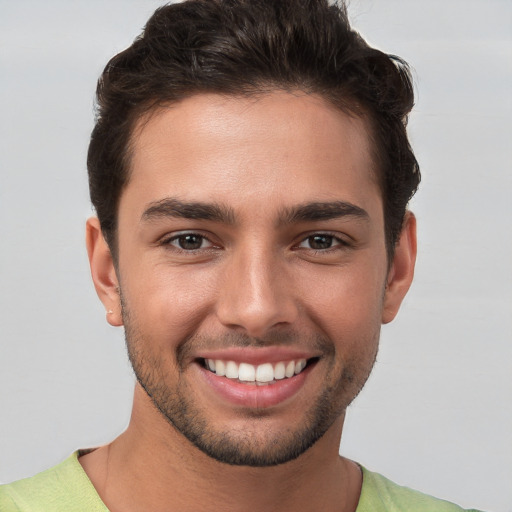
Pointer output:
379, 494
64, 487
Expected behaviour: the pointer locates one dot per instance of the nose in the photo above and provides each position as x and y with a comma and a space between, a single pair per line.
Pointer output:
257, 293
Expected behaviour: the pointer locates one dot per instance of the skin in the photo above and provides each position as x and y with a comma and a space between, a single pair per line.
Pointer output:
258, 280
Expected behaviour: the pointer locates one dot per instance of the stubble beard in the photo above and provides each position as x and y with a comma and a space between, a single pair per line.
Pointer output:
259, 445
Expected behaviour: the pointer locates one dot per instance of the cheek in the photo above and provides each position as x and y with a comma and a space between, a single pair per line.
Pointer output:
167, 304
347, 304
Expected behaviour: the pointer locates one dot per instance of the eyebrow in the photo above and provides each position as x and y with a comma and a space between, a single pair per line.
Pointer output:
316, 211
308, 212
172, 207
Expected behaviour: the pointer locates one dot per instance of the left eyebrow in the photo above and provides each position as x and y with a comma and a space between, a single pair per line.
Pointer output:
316, 211
172, 207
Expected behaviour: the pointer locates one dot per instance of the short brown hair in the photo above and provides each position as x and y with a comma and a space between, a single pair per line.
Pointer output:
244, 47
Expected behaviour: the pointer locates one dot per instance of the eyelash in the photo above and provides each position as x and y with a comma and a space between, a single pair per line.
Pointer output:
339, 242
168, 242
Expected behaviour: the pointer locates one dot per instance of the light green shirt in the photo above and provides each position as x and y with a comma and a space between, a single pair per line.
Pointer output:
66, 488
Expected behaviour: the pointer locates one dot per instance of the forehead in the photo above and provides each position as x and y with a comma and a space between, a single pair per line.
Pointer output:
279, 147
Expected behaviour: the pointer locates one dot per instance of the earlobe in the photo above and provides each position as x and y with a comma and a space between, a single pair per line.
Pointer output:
401, 271
103, 271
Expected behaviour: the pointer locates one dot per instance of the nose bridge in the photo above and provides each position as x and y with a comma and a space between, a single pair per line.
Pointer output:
255, 295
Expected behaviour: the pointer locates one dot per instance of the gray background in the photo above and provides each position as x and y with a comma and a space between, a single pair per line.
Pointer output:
437, 412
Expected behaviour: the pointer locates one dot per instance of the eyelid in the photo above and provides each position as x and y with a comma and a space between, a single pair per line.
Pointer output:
167, 239
171, 237
341, 240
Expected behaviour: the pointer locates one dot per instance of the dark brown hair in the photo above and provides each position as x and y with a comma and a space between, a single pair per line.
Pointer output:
245, 47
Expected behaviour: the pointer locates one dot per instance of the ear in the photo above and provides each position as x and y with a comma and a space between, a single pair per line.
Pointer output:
401, 271
103, 271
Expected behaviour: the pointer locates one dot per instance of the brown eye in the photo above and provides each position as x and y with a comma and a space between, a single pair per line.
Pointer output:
319, 242
189, 242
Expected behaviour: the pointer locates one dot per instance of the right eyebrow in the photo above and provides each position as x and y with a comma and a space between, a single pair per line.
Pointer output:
318, 211
172, 207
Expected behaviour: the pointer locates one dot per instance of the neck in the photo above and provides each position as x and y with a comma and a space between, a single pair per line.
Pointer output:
151, 465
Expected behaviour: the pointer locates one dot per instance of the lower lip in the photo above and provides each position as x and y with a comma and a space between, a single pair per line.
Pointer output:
252, 395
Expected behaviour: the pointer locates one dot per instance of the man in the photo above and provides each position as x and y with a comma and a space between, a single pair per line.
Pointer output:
251, 171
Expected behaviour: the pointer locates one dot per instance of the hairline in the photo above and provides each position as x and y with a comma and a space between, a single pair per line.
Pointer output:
142, 114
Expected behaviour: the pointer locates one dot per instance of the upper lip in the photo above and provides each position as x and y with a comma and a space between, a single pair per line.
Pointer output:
257, 356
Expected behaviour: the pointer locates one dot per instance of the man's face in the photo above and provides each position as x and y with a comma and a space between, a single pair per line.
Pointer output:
251, 241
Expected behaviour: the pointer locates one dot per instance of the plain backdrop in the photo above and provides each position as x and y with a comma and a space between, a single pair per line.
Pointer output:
436, 413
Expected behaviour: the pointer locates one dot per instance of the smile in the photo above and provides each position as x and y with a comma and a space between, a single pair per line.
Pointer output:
255, 378
261, 374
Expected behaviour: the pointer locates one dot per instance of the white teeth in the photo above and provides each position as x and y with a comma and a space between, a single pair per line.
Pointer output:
231, 370
290, 369
279, 371
261, 374
246, 372
265, 373
299, 366
220, 368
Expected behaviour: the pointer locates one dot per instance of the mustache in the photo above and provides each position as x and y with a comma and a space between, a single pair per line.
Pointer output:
197, 342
